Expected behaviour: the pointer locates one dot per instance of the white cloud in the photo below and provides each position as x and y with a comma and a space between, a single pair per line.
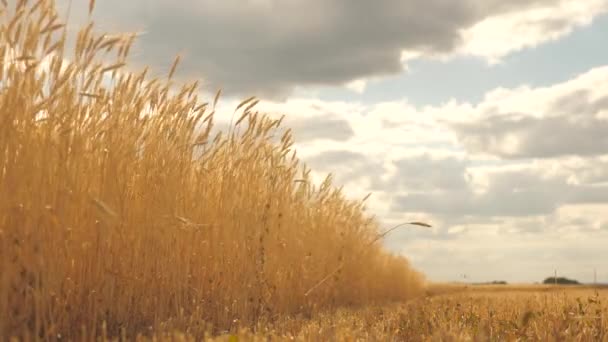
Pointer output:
497, 36
560, 120
357, 86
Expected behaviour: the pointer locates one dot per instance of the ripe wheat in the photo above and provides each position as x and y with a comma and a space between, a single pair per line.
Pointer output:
120, 213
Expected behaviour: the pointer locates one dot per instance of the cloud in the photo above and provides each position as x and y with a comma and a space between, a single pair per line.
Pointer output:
269, 48
348, 168
426, 174
588, 170
513, 29
357, 86
506, 195
566, 119
521, 136
312, 120
509, 192
320, 128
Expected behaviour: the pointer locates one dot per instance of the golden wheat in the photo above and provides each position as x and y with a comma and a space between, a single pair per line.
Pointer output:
120, 214
509, 313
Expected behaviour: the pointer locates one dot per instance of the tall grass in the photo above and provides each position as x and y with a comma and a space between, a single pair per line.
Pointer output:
120, 213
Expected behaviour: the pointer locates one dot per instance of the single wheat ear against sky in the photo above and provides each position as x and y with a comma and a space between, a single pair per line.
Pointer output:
487, 118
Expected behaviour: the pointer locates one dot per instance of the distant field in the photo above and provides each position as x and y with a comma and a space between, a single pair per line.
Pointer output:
436, 289
453, 312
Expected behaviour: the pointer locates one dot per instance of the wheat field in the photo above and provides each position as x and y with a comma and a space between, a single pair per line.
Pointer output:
121, 214
455, 313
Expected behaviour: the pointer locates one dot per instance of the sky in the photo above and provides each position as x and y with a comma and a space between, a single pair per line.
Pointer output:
486, 118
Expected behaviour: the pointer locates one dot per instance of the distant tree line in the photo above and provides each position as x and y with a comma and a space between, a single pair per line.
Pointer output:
560, 281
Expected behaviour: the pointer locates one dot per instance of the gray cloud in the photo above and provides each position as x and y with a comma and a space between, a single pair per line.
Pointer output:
504, 7
347, 166
572, 127
315, 128
337, 157
509, 194
444, 187
417, 174
423, 173
591, 170
267, 48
